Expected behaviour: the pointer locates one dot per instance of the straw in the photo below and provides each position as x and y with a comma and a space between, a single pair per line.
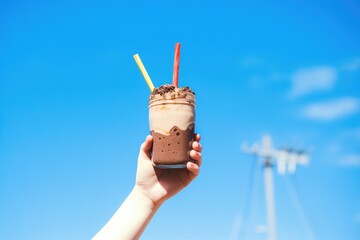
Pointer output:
144, 72
176, 65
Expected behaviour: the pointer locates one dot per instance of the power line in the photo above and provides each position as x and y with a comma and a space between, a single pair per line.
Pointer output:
249, 195
299, 210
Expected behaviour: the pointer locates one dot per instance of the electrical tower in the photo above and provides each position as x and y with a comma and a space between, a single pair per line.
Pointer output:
286, 161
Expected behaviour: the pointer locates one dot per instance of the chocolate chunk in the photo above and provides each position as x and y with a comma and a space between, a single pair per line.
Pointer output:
167, 88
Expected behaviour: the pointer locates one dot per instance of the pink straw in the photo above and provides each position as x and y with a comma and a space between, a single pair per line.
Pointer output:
176, 65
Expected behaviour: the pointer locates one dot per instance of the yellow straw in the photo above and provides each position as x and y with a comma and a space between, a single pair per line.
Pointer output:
144, 72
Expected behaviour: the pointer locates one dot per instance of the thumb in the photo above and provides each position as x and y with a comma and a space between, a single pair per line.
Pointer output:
145, 148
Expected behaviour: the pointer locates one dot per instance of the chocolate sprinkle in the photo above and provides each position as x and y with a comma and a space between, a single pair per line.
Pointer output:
167, 88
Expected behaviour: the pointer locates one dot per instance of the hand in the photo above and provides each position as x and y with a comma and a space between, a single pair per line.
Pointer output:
153, 186
161, 184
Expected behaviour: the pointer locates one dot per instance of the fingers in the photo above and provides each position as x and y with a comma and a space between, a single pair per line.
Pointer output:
193, 169
145, 147
196, 156
196, 146
195, 153
197, 137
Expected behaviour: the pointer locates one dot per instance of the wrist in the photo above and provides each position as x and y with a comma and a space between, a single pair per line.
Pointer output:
147, 200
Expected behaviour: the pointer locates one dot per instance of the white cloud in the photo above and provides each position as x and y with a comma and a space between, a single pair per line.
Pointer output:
351, 66
352, 160
309, 80
332, 110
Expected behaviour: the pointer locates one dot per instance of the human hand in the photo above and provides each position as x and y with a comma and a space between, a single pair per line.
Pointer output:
153, 186
161, 184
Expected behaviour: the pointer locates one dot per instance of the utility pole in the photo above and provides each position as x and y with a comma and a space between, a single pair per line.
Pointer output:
286, 160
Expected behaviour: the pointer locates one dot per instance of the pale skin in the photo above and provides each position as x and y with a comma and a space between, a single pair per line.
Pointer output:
152, 188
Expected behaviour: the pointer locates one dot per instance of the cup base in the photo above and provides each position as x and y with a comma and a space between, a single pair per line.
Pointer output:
170, 166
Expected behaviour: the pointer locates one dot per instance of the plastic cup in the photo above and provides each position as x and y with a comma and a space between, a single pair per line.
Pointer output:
172, 125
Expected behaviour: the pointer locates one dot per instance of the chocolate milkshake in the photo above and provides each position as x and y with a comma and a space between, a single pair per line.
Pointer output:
172, 125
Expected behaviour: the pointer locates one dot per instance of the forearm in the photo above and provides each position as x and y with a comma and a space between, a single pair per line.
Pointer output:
130, 219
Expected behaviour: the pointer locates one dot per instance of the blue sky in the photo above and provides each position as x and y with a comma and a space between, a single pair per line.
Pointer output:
73, 113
